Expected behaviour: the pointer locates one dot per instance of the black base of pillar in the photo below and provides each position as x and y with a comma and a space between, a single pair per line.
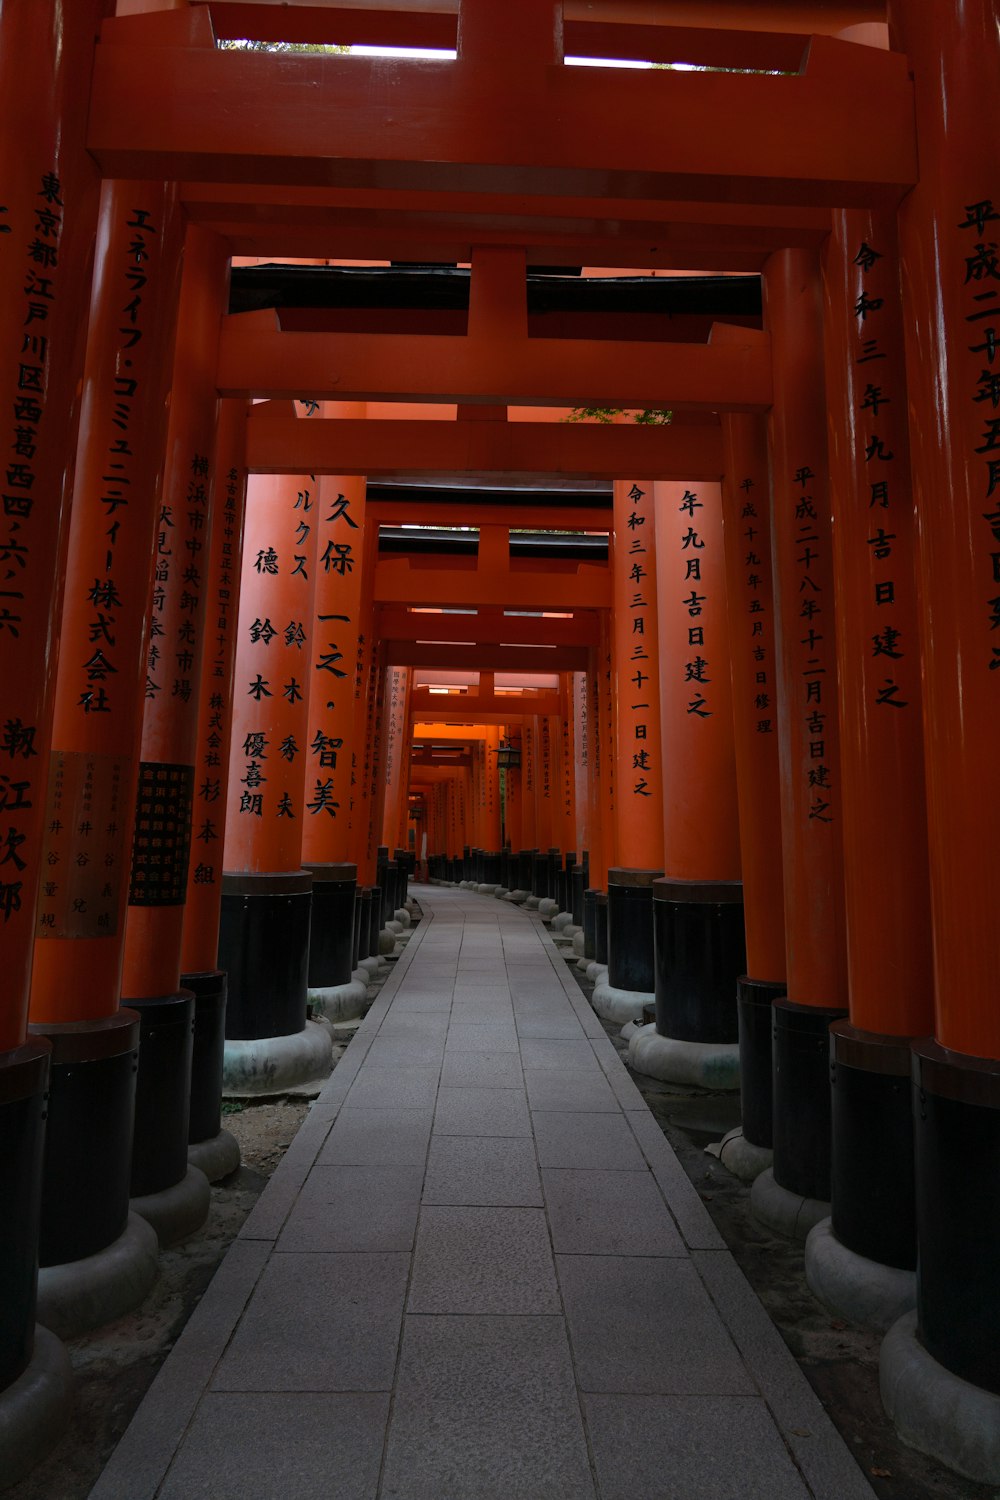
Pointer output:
390, 880
630, 929
88, 1135
365, 923
525, 870
874, 1212
162, 1092
601, 928
801, 1061
589, 924
358, 925
375, 922
207, 1054
699, 953
754, 999
956, 1127
264, 948
331, 928
578, 882
24, 1076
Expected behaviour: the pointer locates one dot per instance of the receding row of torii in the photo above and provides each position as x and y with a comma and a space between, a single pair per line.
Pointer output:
788, 667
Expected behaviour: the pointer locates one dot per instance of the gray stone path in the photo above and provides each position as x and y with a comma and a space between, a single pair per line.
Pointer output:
480, 1273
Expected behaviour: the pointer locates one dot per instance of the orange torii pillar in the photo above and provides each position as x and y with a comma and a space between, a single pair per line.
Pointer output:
383, 940
365, 760
863, 1261
746, 508
492, 828
397, 785
949, 232
331, 745
580, 875
542, 833
90, 804
699, 948
175, 1195
603, 842
565, 797
522, 831
793, 1194
203, 903
47, 222
266, 894
512, 753
636, 693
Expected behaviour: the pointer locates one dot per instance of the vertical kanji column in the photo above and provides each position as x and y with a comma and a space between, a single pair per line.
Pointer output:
169, 1192
811, 786
580, 876
871, 1239
397, 782
48, 214
266, 894
597, 873
949, 236
90, 802
331, 737
746, 505
697, 905
639, 785
364, 756
529, 822
223, 541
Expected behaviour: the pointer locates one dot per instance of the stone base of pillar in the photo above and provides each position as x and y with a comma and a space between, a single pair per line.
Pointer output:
531, 903
387, 944
854, 1287
272, 1064
517, 897
935, 1411
402, 916
562, 920
84, 1294
613, 1004
579, 946
597, 973
176, 1212
340, 1002
547, 908
35, 1408
370, 967
705, 1065
782, 1211
485, 888
396, 928
218, 1157
740, 1156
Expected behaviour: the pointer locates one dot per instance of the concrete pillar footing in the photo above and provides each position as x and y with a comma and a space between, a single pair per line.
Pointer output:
547, 908
402, 916
387, 945
562, 920
782, 1211
517, 897
218, 1156
178, 1211
273, 1064
597, 973
854, 1287
83, 1294
613, 1004
740, 1156
370, 965
393, 926
486, 889
35, 1409
703, 1065
580, 945
340, 1002
531, 903
935, 1411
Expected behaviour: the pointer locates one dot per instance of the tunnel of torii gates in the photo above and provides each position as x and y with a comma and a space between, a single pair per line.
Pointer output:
725, 689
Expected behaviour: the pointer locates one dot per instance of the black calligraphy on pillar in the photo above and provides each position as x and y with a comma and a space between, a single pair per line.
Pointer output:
812, 651
980, 259
696, 671
756, 579
162, 843
643, 750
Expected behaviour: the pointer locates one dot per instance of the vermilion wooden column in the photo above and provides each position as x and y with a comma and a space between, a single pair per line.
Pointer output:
514, 804
49, 212
492, 831
889, 958
746, 508
698, 917
638, 763
331, 735
166, 795
949, 230
90, 803
811, 784
264, 937
581, 762
529, 821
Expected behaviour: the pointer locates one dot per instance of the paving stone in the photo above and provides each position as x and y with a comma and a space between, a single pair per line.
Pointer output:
483, 1260
319, 1323
583, 1090
689, 1448
488, 1070
482, 1170
394, 1088
478, 1111
312, 1447
378, 1137
544, 1052
355, 1209
692, 1216
557, 1025
608, 1213
405, 1052
486, 1409
601, 1141
481, 1036
423, 1027
647, 1325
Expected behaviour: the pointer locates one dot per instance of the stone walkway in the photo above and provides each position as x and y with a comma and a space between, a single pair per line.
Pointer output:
480, 1274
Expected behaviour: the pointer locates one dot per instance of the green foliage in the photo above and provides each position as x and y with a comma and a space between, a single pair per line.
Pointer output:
242, 45
647, 416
